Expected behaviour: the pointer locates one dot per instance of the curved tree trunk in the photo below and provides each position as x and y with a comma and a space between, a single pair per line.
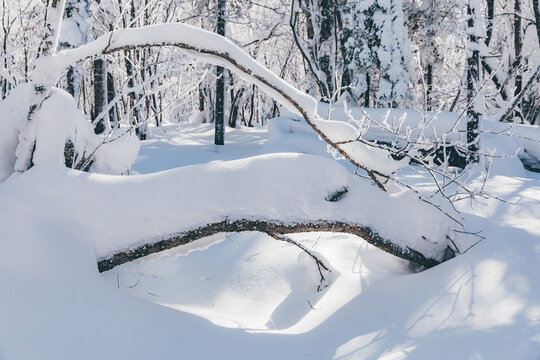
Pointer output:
274, 229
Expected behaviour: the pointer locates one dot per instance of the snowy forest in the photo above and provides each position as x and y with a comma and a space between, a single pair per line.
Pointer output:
269, 179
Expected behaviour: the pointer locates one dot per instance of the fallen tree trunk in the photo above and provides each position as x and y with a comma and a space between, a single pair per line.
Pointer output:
219, 51
274, 229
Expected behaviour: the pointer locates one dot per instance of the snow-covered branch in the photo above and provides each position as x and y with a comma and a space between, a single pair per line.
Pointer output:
216, 50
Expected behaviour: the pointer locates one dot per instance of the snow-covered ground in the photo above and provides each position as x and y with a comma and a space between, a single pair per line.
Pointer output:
248, 296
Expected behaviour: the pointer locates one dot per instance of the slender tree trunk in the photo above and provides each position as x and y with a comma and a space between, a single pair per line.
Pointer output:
536, 10
100, 95
233, 107
201, 97
5, 29
252, 107
429, 87
474, 93
327, 9
490, 4
70, 77
111, 93
219, 138
518, 46
367, 92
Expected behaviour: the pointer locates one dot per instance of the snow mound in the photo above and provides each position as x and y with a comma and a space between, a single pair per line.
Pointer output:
58, 121
251, 281
13, 112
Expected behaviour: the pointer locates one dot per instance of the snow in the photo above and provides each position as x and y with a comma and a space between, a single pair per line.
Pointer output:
118, 153
114, 152
505, 140
282, 187
245, 295
485, 300
13, 111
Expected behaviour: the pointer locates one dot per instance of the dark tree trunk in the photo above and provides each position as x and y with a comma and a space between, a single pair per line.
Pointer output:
490, 16
233, 98
201, 98
100, 90
518, 45
366, 93
235, 105
70, 76
252, 107
327, 8
536, 10
219, 138
473, 81
110, 98
133, 97
429, 87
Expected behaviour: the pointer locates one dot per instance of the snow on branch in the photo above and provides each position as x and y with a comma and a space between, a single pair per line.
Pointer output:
217, 50
533, 76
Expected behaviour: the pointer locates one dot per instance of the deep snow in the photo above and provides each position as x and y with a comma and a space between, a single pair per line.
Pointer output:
249, 292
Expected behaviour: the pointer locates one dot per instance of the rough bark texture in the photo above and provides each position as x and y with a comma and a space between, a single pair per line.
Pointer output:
474, 114
271, 228
100, 90
219, 136
536, 10
518, 47
429, 87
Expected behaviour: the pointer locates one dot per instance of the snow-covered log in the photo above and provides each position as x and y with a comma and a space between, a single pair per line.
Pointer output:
274, 229
278, 194
216, 50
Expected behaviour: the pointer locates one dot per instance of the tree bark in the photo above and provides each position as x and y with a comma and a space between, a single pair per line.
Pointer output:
219, 137
429, 87
518, 45
490, 4
325, 59
367, 92
111, 94
474, 109
274, 229
100, 95
536, 10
